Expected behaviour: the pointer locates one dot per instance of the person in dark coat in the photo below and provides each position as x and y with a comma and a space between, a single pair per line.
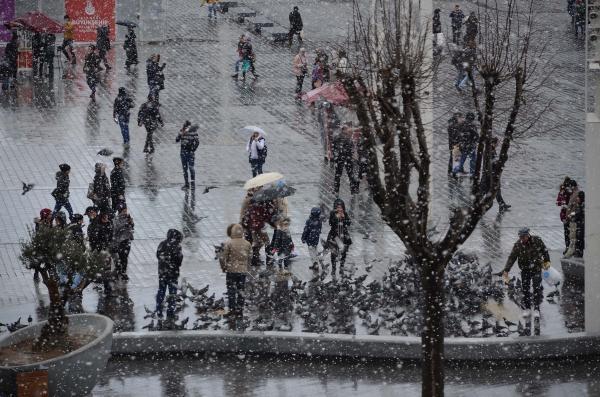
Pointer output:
92, 229
103, 242
562, 200
282, 244
248, 55
91, 67
170, 257
188, 136
117, 183
469, 138
155, 75
37, 54
436, 24
76, 228
44, 221
130, 48
121, 112
454, 128
11, 55
149, 116
532, 256
338, 239
49, 51
123, 228
343, 151
456, 21
61, 192
101, 189
103, 44
472, 25
296, 25
311, 236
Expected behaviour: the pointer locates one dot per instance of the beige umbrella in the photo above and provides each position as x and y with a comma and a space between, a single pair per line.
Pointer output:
262, 179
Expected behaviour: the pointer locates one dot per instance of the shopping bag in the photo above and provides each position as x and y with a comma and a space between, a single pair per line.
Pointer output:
440, 40
302, 34
552, 277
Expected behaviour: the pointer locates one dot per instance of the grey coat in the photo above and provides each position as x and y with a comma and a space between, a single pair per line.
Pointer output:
122, 228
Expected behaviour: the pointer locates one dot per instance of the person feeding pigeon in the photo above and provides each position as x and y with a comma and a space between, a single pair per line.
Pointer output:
532, 256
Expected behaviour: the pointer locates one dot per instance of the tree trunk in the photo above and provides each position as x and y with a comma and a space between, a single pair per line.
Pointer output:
432, 337
54, 333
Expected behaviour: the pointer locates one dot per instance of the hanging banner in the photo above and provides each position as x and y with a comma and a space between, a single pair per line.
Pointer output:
87, 15
7, 13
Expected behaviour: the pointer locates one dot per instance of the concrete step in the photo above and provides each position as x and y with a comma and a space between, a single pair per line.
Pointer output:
242, 13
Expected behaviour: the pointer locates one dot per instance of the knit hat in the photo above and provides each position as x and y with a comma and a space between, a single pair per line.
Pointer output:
45, 213
524, 231
64, 167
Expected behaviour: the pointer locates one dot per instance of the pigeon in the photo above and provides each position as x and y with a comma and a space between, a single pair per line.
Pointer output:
15, 326
29, 320
26, 187
105, 152
369, 267
149, 327
208, 189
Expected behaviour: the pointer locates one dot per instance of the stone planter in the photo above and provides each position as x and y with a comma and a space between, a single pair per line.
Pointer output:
73, 374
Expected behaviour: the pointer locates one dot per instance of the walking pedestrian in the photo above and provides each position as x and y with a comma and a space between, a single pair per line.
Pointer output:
76, 229
121, 112
296, 25
100, 236
579, 219
342, 68
469, 66
170, 257
338, 239
100, 189
67, 44
469, 138
240, 55
317, 74
155, 75
130, 47
149, 116
103, 44
11, 55
311, 236
117, 183
562, 200
37, 55
91, 67
92, 229
456, 21
343, 157
49, 51
212, 6
188, 136
532, 256
454, 132
574, 211
248, 58
436, 25
323, 58
234, 262
61, 192
282, 245
472, 25
257, 152
300, 69
123, 228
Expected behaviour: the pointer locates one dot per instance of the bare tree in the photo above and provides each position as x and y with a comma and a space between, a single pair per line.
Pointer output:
388, 85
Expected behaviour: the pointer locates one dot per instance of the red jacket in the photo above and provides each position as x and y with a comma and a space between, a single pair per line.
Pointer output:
562, 200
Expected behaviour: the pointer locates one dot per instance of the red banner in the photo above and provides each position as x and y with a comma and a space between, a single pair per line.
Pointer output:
87, 15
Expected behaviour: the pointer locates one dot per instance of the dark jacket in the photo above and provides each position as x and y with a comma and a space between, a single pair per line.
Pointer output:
189, 139
339, 227
468, 136
117, 182
121, 106
130, 47
170, 255
312, 228
101, 188
282, 242
296, 20
11, 53
102, 236
123, 227
77, 232
102, 40
154, 73
531, 256
62, 186
343, 148
456, 18
453, 132
92, 233
149, 116
472, 25
437, 24
91, 64
247, 50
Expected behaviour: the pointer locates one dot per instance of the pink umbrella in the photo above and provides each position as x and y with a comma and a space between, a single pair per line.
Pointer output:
331, 92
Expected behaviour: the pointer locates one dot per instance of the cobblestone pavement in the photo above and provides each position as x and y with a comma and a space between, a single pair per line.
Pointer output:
41, 128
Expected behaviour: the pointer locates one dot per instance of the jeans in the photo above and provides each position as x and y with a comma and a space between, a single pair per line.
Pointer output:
62, 203
256, 166
465, 79
187, 161
91, 81
124, 125
334, 256
299, 83
534, 277
165, 282
313, 252
237, 65
212, 10
236, 283
472, 161
456, 33
149, 145
340, 164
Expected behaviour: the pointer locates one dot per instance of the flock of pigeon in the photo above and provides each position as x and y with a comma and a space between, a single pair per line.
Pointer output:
358, 304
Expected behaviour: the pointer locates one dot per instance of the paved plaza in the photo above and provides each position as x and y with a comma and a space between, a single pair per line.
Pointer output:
42, 126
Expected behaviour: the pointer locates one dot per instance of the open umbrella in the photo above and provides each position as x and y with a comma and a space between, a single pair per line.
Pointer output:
128, 24
278, 189
331, 92
249, 129
262, 179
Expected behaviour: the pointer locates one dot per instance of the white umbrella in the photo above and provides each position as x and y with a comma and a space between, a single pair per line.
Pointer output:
250, 129
262, 179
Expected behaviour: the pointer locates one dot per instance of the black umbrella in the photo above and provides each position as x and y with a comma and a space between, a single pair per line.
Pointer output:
272, 192
128, 24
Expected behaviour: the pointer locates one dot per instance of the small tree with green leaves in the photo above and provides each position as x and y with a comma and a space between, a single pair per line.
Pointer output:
58, 256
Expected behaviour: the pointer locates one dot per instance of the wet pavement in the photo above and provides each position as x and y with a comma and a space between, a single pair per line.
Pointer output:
42, 126
244, 375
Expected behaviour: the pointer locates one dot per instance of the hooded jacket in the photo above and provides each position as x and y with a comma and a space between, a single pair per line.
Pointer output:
149, 115
312, 228
117, 182
237, 252
170, 255
122, 104
101, 185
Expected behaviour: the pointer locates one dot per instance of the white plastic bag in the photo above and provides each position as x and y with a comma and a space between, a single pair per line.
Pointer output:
552, 277
439, 39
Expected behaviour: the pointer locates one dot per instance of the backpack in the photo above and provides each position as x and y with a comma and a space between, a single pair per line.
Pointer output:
262, 153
